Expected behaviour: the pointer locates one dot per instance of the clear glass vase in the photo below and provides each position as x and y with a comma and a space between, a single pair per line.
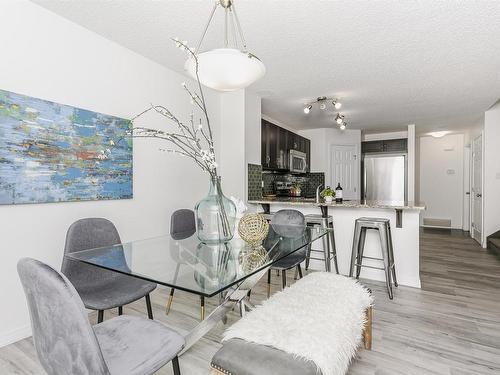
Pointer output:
215, 215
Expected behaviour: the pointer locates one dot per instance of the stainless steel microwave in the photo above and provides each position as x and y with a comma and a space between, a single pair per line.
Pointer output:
298, 162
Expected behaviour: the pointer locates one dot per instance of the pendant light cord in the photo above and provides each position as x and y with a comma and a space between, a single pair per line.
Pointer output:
197, 50
230, 12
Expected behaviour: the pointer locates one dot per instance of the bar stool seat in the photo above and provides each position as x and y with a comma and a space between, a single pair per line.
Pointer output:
329, 249
384, 228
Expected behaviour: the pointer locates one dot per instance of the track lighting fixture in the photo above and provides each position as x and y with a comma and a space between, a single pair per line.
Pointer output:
339, 119
322, 102
343, 126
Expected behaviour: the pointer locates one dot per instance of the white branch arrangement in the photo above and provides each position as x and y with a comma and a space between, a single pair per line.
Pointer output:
190, 140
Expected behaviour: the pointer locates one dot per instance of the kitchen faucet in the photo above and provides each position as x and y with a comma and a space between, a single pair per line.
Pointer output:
317, 193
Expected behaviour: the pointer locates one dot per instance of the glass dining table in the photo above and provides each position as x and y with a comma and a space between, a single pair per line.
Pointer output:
227, 270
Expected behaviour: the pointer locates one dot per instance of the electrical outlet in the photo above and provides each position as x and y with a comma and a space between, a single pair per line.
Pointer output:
450, 171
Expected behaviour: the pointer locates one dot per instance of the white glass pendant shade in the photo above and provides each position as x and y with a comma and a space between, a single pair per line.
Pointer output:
226, 69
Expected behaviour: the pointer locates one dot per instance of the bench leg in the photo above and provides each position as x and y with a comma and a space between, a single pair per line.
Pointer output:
367, 331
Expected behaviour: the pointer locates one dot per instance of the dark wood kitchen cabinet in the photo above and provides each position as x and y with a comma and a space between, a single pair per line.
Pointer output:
388, 145
276, 142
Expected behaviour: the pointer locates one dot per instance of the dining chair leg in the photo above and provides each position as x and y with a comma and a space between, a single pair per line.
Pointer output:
283, 279
120, 310
202, 308
175, 366
169, 301
308, 256
100, 316
148, 305
268, 283
299, 268
249, 294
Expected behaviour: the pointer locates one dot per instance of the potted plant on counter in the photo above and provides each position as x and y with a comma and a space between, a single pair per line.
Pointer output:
328, 194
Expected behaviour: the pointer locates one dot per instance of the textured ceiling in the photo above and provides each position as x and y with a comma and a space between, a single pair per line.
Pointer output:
432, 63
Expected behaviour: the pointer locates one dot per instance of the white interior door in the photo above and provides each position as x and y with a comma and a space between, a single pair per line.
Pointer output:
467, 189
477, 189
344, 169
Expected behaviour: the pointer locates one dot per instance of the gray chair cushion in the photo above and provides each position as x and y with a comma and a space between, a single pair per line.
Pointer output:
133, 345
116, 292
254, 359
182, 224
100, 289
63, 338
281, 222
65, 342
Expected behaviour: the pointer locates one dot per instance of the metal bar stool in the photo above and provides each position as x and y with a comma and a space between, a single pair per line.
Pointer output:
329, 249
384, 228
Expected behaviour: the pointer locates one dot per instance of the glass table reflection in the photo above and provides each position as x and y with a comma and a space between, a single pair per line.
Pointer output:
195, 267
228, 270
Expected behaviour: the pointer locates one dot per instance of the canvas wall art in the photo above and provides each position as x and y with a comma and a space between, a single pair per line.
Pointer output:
51, 152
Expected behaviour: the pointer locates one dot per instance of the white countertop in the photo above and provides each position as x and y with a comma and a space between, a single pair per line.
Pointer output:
396, 205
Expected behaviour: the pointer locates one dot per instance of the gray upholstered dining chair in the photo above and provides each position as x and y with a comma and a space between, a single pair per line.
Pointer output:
66, 343
101, 289
182, 226
287, 218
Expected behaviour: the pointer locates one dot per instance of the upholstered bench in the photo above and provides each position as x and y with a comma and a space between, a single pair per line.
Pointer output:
313, 327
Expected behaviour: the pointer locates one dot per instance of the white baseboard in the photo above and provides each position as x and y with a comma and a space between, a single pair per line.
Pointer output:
17, 334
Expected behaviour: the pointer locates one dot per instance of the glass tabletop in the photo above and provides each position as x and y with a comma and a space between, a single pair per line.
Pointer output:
199, 268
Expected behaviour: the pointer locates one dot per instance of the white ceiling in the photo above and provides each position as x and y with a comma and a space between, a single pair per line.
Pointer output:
432, 63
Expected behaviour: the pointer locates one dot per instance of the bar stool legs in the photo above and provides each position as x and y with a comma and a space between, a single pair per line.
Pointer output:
333, 247
357, 255
386, 259
391, 254
329, 247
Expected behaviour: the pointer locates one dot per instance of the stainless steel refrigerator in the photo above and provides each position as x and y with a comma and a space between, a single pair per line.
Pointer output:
384, 177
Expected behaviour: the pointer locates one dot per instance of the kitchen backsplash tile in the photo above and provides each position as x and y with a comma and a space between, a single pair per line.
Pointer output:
254, 181
315, 179
307, 182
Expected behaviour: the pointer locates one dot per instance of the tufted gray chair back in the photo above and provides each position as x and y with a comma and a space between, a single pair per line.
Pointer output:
182, 224
88, 234
288, 217
64, 340
289, 223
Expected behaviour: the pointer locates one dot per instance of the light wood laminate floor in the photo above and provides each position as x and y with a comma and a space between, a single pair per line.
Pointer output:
451, 326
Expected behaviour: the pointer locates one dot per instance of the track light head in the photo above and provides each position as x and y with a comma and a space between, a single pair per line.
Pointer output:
339, 119
307, 109
343, 126
336, 104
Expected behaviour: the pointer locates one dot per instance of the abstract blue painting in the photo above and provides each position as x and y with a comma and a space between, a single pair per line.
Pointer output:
51, 152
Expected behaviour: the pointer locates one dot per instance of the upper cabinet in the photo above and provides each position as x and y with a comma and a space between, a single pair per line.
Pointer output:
276, 144
388, 145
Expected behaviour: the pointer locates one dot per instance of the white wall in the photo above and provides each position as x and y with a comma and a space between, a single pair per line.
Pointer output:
253, 116
441, 177
321, 142
48, 57
491, 189
232, 146
385, 135
411, 162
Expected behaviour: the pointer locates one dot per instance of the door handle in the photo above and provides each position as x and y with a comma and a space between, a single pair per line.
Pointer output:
467, 193
479, 195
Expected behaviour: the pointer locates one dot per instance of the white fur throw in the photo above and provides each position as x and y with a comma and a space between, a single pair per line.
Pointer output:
319, 318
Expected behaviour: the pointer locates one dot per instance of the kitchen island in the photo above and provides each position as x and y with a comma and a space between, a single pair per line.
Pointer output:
404, 217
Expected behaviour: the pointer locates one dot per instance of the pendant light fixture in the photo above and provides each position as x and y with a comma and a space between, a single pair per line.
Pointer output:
229, 68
